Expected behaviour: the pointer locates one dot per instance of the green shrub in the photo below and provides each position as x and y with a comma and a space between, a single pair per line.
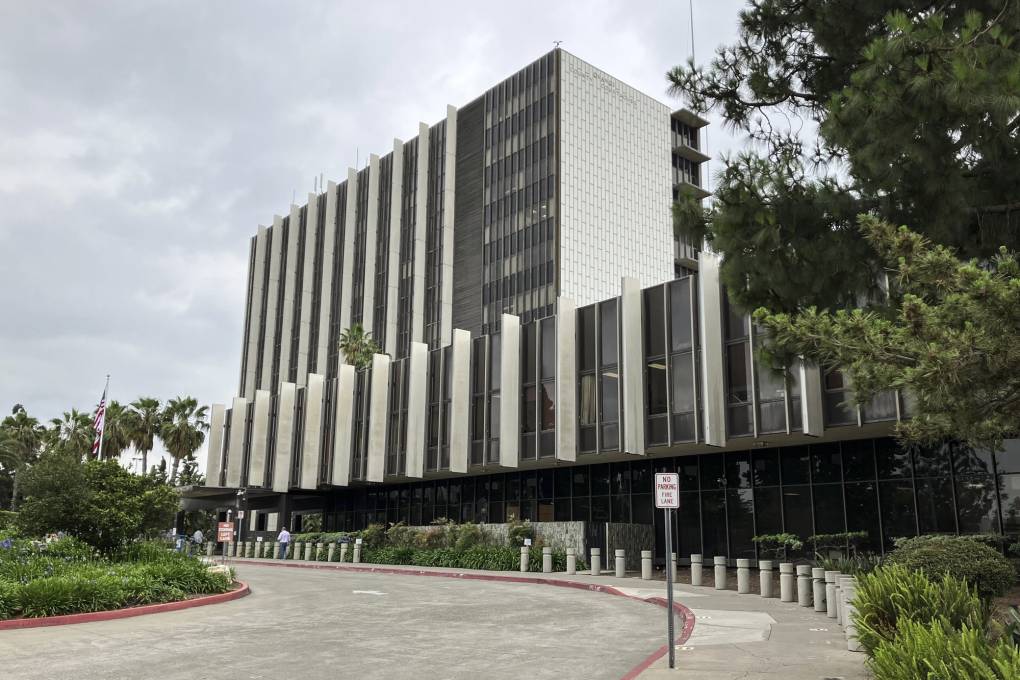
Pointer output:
892, 593
374, 535
71, 594
775, 546
935, 650
8, 518
9, 599
855, 565
517, 531
962, 557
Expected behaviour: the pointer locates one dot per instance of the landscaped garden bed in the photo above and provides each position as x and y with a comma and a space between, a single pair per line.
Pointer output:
67, 576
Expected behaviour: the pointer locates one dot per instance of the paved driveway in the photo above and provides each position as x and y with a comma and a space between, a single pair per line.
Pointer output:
309, 624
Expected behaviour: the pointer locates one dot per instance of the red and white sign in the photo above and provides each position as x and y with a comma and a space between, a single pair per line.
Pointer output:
667, 490
224, 532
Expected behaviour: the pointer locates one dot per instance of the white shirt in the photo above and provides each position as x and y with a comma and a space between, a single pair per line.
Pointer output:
284, 536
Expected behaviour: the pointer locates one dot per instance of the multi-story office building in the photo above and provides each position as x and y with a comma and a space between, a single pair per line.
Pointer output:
548, 345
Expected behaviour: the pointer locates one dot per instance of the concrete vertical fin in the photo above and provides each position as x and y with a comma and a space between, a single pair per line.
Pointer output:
272, 296
347, 266
566, 380
378, 418
417, 407
446, 259
632, 367
371, 245
312, 237
460, 401
290, 294
420, 230
510, 391
713, 377
311, 447
238, 429
326, 282
259, 437
284, 437
393, 257
214, 456
343, 432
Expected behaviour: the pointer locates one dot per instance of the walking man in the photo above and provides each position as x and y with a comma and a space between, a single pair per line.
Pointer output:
283, 539
198, 538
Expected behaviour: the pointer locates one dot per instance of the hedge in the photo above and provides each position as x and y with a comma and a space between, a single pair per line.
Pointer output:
491, 558
961, 557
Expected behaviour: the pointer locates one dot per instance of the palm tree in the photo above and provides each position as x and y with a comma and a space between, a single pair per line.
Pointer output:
21, 437
145, 418
183, 430
116, 431
73, 432
357, 346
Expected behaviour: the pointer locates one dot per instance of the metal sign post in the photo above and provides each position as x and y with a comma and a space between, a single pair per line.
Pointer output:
667, 497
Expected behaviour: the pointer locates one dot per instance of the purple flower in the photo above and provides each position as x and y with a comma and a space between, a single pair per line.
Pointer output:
6, 544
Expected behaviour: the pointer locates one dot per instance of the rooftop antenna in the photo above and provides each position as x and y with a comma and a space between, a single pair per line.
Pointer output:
708, 175
557, 42
293, 196
321, 181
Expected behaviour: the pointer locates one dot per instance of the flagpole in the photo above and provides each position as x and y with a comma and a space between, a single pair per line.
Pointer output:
102, 433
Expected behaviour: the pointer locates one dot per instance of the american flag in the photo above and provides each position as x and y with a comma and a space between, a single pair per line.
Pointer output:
99, 422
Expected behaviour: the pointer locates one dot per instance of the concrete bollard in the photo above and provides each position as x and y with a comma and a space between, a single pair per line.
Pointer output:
845, 582
765, 577
571, 562
357, 553
646, 565
804, 585
743, 576
330, 552
231, 549
343, 552
672, 566
525, 558
818, 588
262, 548
850, 591
308, 551
787, 588
546, 560
249, 549
318, 551
299, 549
720, 573
830, 593
209, 547
596, 561
696, 564
621, 563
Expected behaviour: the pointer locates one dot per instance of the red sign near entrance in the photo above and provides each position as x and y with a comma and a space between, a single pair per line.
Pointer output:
225, 532
667, 490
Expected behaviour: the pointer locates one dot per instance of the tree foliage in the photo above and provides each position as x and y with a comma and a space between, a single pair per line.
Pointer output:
97, 501
917, 105
358, 346
948, 338
183, 430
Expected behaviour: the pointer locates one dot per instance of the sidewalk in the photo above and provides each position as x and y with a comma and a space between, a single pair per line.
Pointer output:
733, 636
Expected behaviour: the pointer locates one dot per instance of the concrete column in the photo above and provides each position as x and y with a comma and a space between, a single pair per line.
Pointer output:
460, 401
257, 460
357, 553
308, 551
343, 552
284, 437
804, 585
765, 577
446, 252
632, 380
343, 426
312, 237
710, 329
311, 443
326, 282
850, 627
290, 294
272, 297
787, 582
235, 454
330, 552
378, 418
258, 292
571, 562
696, 565
547, 560
596, 561
347, 266
818, 588
566, 380
510, 391
720, 573
525, 557
646, 565
318, 552
214, 459
420, 222
417, 407
621, 563
393, 256
811, 413
371, 244
743, 576
830, 593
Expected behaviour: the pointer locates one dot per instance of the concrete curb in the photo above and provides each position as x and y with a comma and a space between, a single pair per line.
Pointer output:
88, 617
687, 616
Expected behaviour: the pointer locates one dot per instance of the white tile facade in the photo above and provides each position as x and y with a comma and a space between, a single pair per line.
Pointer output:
615, 191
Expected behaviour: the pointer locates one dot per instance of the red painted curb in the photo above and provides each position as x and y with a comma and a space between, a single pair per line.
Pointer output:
687, 616
88, 617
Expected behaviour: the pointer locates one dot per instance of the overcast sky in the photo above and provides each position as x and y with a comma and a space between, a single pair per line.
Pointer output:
142, 143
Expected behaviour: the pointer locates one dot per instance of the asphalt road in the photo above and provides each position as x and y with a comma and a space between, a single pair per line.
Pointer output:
308, 624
